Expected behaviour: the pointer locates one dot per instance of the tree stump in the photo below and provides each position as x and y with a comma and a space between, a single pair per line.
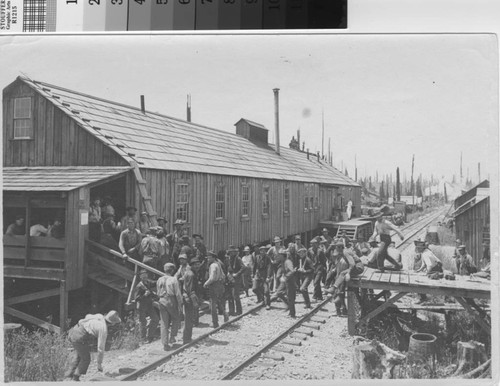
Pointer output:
375, 360
470, 355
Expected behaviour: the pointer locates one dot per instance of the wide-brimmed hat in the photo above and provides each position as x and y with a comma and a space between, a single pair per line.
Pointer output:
263, 247
168, 267
323, 239
212, 253
324, 230
461, 247
282, 251
185, 237
314, 240
183, 256
161, 219
113, 317
232, 248
246, 249
302, 250
194, 260
298, 237
179, 222
339, 244
277, 239
131, 208
198, 235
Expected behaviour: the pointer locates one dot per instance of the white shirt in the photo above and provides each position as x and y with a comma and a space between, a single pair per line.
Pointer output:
96, 325
38, 230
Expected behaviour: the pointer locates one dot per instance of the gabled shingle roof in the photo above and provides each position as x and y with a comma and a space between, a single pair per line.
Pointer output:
157, 141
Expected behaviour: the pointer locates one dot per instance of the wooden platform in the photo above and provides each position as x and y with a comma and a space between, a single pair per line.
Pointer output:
463, 289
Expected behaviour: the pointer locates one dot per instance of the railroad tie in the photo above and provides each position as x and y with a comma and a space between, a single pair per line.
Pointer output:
292, 342
283, 349
276, 357
314, 326
252, 374
318, 320
298, 336
305, 332
324, 310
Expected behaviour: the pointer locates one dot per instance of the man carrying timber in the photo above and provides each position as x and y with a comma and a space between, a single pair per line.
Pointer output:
383, 228
262, 273
170, 302
145, 296
215, 285
317, 256
81, 337
235, 271
306, 272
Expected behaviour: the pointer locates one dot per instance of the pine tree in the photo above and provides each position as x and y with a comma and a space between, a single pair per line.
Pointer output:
398, 185
381, 192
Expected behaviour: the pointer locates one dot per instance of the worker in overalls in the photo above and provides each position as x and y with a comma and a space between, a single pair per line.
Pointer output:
81, 337
145, 296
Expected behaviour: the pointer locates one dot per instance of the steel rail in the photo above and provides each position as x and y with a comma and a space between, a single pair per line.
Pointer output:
274, 341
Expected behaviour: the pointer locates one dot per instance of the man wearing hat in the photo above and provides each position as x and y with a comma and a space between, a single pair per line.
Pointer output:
465, 262
145, 295
131, 214
327, 236
162, 222
298, 242
247, 261
383, 229
285, 275
164, 247
144, 223
306, 273
149, 249
317, 256
197, 287
235, 270
262, 273
186, 247
215, 285
169, 292
273, 253
175, 238
81, 337
186, 278
199, 248
360, 245
95, 219
130, 240
429, 262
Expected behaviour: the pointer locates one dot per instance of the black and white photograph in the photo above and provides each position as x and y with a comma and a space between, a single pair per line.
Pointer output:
288, 207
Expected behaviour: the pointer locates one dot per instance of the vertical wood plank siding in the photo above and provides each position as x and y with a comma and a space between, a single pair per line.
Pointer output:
57, 139
234, 229
470, 226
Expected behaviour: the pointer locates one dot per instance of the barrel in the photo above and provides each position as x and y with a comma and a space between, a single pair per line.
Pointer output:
422, 347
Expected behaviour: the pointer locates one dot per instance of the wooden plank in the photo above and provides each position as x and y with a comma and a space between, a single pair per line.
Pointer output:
32, 296
36, 254
381, 308
48, 242
32, 319
33, 272
395, 277
63, 306
385, 277
484, 325
111, 266
376, 277
27, 222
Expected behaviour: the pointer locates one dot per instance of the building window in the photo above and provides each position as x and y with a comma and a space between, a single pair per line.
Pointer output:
245, 200
286, 199
316, 197
220, 202
182, 201
265, 201
22, 118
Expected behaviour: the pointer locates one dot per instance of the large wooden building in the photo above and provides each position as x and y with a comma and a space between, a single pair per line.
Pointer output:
62, 147
472, 219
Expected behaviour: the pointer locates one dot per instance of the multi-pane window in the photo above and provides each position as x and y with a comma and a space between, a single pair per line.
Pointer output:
220, 202
306, 197
286, 199
182, 201
265, 200
22, 118
245, 200
311, 196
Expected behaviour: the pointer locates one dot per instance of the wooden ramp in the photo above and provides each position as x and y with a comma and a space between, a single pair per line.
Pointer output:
463, 289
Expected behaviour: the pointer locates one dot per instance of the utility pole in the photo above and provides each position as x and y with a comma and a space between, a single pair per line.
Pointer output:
461, 174
355, 169
398, 185
479, 172
322, 133
412, 190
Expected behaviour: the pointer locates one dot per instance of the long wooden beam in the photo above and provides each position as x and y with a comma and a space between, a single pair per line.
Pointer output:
32, 296
33, 272
484, 325
383, 307
32, 319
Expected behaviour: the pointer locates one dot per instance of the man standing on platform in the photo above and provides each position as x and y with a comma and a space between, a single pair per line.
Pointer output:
262, 273
215, 285
383, 228
170, 303
130, 240
430, 263
317, 256
130, 215
464, 261
144, 223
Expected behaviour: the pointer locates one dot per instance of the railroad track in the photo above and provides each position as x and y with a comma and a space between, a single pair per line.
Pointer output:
230, 350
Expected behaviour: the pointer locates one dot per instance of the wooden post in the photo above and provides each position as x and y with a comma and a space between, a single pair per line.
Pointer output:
63, 306
351, 312
27, 222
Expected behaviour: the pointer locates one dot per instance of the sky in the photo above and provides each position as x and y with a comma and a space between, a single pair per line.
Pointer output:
384, 97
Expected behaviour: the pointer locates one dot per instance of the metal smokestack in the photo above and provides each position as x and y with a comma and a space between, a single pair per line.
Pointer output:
188, 107
143, 105
277, 119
